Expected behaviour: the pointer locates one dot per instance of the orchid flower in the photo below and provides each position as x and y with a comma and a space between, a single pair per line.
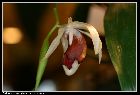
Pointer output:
74, 44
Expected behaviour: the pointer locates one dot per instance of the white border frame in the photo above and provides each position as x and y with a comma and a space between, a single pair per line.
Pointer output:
22, 92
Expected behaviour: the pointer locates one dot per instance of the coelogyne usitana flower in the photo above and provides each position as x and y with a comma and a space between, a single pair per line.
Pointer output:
74, 44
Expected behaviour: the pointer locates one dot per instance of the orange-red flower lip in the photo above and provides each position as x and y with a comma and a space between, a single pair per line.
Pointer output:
76, 51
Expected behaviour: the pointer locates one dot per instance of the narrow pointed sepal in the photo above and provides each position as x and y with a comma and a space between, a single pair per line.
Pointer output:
54, 43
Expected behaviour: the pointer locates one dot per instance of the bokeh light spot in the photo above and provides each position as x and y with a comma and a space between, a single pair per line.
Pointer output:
12, 35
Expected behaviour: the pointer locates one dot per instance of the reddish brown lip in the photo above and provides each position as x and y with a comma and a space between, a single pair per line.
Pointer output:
77, 51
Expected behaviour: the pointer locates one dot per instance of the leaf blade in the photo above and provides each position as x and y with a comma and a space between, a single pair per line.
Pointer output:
120, 35
42, 61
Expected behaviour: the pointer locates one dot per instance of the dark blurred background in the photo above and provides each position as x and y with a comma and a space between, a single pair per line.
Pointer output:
25, 25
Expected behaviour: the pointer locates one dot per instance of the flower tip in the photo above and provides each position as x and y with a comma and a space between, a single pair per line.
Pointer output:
69, 19
74, 68
100, 56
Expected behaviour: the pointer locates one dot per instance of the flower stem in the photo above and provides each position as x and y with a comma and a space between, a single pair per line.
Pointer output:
57, 22
43, 63
56, 14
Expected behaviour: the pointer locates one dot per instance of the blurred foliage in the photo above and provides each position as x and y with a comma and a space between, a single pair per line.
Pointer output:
120, 34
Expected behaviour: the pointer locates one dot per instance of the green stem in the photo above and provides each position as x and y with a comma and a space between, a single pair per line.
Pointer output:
57, 22
56, 15
42, 63
52, 30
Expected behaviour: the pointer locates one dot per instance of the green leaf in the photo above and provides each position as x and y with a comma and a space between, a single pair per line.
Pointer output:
120, 35
42, 63
44, 49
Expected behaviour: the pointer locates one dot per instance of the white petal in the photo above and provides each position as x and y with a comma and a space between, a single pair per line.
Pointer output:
85, 33
100, 45
64, 43
100, 56
70, 32
93, 33
70, 36
95, 39
100, 51
74, 68
54, 43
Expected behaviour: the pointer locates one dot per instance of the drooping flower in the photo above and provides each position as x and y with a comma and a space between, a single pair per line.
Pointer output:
74, 44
